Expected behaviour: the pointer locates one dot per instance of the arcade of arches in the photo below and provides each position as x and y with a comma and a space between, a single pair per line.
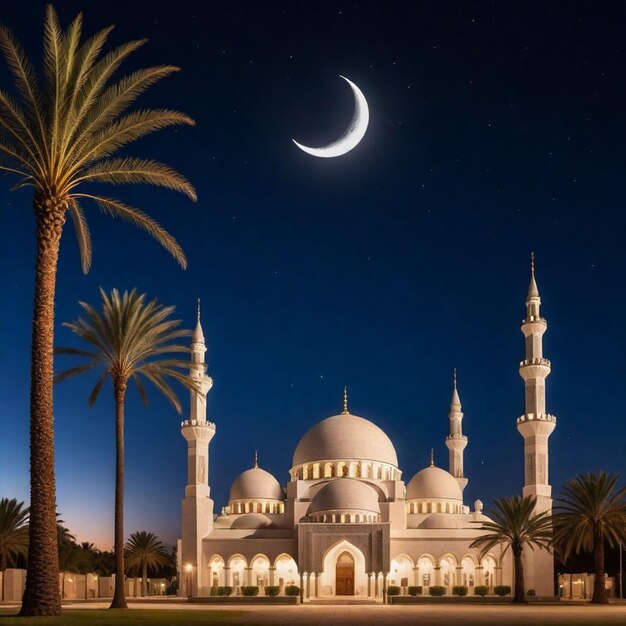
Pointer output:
344, 573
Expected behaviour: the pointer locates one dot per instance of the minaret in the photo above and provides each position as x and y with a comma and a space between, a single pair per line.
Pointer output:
197, 504
456, 441
535, 425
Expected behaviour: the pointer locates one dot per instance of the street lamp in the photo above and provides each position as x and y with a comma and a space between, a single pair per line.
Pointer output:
189, 570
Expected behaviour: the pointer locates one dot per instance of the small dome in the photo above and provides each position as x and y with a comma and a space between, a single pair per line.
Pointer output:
433, 482
253, 521
345, 494
442, 520
343, 437
256, 484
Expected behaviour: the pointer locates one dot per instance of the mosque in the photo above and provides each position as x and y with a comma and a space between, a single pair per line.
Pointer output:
347, 523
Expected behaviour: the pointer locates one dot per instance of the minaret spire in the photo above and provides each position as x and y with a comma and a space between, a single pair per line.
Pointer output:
533, 301
456, 441
198, 333
345, 401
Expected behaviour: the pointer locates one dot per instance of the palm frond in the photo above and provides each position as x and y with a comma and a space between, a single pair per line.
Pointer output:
127, 129
83, 236
95, 392
130, 170
52, 64
74, 371
115, 208
25, 81
94, 83
116, 98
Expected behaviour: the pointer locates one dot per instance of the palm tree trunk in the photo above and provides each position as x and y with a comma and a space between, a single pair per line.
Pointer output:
520, 595
119, 595
41, 595
599, 590
144, 576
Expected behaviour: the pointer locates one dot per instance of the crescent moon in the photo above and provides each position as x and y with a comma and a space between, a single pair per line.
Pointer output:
353, 135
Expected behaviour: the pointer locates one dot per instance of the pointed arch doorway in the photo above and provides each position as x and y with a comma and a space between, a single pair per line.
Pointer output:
344, 575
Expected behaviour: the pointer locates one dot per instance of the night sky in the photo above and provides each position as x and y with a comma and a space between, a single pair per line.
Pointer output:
495, 129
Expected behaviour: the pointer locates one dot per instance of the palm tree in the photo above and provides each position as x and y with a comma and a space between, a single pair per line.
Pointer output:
129, 340
13, 534
590, 513
91, 553
72, 558
515, 525
144, 550
63, 131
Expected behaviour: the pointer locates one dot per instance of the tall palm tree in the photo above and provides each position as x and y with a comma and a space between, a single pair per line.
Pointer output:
129, 339
13, 534
590, 513
144, 550
516, 526
62, 132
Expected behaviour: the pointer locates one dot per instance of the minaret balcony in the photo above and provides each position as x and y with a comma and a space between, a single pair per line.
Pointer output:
456, 437
196, 430
537, 417
197, 423
535, 319
537, 367
535, 361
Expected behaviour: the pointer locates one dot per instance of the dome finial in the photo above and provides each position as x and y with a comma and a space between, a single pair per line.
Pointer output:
432, 457
345, 401
256, 459
454, 377
198, 314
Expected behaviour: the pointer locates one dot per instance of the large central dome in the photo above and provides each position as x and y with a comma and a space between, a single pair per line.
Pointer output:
345, 437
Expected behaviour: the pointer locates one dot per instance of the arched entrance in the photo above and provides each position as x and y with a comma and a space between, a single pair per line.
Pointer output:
344, 575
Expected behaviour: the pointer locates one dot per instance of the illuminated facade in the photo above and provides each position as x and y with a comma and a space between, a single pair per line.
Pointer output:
346, 523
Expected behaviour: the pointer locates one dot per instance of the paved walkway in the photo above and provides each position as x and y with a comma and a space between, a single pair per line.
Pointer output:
422, 615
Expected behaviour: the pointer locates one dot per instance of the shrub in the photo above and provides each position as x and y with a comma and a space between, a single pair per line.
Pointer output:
460, 590
292, 590
415, 591
213, 591
531, 592
224, 591
437, 590
272, 590
249, 591
393, 590
502, 590
481, 590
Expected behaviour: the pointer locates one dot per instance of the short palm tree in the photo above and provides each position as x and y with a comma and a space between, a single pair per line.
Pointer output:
515, 525
72, 559
130, 339
13, 534
144, 550
62, 132
591, 512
